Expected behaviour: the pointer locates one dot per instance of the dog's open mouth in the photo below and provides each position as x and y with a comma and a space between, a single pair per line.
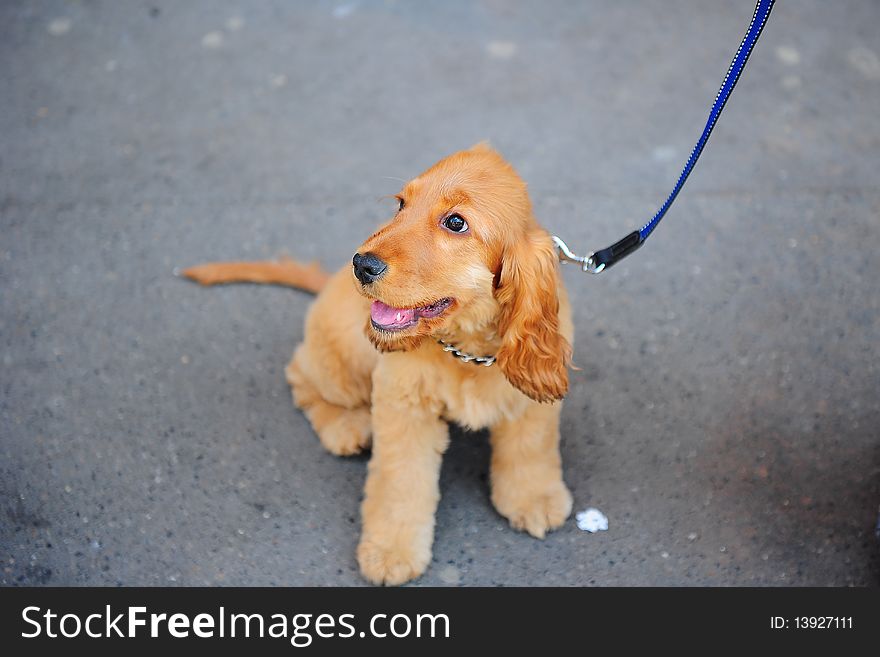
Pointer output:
388, 318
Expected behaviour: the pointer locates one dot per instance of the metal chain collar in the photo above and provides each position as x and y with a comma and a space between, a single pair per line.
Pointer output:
465, 357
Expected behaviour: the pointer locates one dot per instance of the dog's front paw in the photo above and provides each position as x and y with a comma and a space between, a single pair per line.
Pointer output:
391, 565
531, 510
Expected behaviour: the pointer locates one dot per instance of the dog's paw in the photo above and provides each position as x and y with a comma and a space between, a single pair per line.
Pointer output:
533, 511
391, 565
348, 434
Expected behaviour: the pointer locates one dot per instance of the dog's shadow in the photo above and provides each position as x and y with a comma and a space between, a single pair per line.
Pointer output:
464, 477
800, 492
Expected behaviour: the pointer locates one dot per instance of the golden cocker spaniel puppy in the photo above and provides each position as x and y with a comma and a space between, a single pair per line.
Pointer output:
452, 311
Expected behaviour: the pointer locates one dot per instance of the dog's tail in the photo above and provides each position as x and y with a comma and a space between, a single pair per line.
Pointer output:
284, 271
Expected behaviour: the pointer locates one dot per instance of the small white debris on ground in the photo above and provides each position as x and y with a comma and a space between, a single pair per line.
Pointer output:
449, 575
788, 55
212, 40
591, 520
235, 23
59, 26
663, 153
501, 49
344, 11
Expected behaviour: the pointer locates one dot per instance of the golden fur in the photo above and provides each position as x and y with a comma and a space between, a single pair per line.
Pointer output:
358, 384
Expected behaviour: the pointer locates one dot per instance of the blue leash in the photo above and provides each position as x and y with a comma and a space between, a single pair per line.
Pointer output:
601, 260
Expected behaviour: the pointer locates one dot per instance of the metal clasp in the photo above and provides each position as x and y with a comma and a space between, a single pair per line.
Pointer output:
586, 263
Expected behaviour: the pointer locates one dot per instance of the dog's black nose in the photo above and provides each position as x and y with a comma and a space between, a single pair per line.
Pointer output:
368, 267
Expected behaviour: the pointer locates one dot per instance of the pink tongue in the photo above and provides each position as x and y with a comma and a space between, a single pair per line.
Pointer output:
385, 315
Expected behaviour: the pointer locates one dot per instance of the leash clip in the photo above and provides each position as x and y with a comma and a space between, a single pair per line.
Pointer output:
599, 261
587, 263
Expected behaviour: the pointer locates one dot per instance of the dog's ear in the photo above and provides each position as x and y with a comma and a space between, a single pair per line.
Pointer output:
533, 355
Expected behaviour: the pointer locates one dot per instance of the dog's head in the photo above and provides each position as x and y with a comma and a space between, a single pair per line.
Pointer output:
464, 254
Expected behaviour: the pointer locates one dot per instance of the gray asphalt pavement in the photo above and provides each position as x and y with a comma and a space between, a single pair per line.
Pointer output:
725, 415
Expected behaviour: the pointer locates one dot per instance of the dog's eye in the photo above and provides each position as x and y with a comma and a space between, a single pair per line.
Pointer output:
455, 223
400, 203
